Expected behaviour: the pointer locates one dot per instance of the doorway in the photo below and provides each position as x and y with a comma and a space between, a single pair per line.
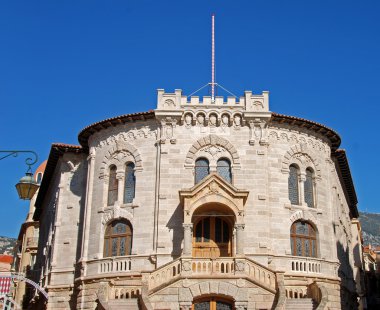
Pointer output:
213, 303
212, 237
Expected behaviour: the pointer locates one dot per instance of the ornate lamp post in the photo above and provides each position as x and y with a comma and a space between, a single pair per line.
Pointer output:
26, 187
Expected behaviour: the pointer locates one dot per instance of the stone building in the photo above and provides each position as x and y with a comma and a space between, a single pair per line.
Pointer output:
199, 204
26, 248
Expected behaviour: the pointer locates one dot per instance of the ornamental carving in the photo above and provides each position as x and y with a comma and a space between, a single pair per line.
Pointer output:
121, 153
169, 103
240, 266
116, 213
303, 156
213, 188
258, 132
168, 130
287, 137
213, 150
237, 121
213, 143
186, 266
130, 136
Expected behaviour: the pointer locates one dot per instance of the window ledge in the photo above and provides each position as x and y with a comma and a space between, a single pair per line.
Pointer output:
302, 207
129, 205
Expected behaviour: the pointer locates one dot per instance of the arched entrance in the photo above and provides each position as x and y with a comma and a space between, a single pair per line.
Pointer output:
212, 231
213, 303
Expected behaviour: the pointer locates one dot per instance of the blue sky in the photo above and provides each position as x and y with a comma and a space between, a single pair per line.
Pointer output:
67, 64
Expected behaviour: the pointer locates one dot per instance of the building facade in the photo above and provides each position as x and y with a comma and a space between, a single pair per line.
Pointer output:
26, 249
199, 204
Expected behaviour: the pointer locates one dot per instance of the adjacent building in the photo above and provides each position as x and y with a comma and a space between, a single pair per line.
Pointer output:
26, 249
199, 204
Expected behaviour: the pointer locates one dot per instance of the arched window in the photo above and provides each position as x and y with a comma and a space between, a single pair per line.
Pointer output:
303, 239
112, 186
118, 239
130, 183
202, 169
224, 169
293, 185
309, 188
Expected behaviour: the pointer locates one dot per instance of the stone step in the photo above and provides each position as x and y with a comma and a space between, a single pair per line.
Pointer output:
120, 304
302, 303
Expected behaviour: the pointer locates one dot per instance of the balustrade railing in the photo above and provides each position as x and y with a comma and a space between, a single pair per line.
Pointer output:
194, 267
118, 264
307, 265
127, 292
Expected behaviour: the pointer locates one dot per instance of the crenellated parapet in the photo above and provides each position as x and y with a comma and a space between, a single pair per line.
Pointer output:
251, 110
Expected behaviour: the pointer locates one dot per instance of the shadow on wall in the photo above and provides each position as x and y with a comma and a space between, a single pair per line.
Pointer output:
348, 294
175, 224
78, 187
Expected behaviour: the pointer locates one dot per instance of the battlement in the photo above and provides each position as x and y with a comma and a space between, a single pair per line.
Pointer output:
177, 101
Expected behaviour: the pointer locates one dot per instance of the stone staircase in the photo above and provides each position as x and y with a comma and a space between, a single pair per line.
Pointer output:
121, 304
300, 304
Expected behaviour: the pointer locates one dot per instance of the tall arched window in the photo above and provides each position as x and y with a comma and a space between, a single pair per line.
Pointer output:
309, 188
112, 186
224, 169
293, 185
202, 169
118, 239
130, 183
303, 239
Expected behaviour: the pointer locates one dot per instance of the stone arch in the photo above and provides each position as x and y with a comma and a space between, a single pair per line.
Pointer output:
218, 199
303, 156
116, 213
305, 216
220, 288
212, 140
119, 154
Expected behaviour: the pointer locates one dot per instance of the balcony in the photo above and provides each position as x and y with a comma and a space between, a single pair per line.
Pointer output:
308, 266
118, 264
211, 268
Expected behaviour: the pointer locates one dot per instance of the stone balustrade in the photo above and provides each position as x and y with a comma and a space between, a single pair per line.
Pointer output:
212, 266
195, 267
118, 264
125, 292
260, 274
307, 265
165, 274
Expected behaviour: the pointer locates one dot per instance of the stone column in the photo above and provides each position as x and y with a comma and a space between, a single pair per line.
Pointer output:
88, 203
302, 179
187, 235
239, 239
185, 306
120, 186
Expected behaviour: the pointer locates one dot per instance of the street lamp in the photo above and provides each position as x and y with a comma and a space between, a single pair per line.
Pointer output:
26, 187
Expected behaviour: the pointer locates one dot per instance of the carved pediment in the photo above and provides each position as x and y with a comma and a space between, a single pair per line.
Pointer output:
213, 189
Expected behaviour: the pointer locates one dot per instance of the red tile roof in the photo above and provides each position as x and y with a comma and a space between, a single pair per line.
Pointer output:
4, 258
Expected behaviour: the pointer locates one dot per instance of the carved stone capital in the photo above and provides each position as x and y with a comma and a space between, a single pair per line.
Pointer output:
239, 226
187, 227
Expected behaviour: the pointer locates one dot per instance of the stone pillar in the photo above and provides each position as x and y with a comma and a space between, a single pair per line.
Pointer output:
120, 186
88, 203
187, 236
239, 239
302, 179
185, 306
